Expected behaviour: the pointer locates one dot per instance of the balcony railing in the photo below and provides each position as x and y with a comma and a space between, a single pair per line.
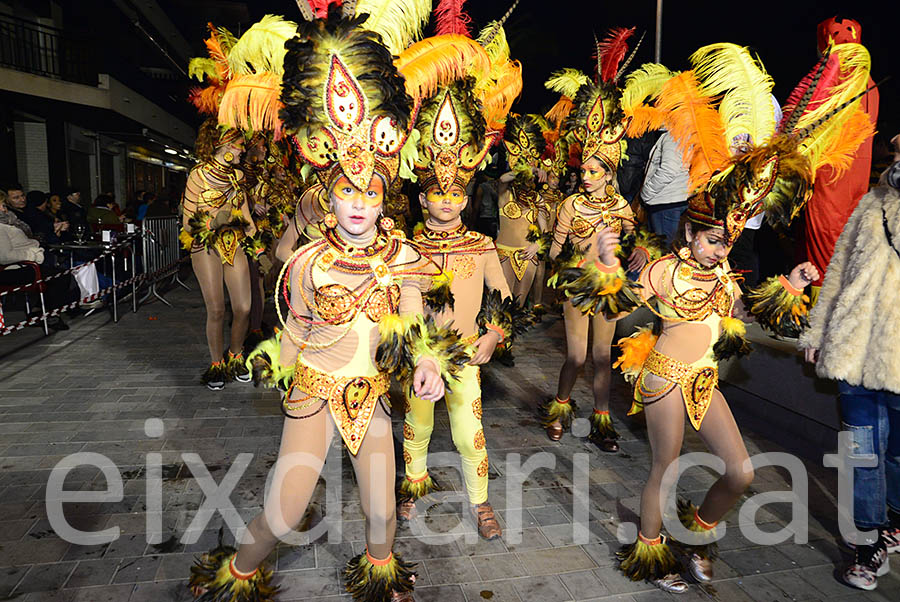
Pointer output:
47, 51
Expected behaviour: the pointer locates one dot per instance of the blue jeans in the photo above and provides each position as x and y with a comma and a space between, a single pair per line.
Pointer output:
664, 219
873, 419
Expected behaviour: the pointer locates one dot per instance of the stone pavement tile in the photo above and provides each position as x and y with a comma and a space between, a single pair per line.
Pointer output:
826, 579
45, 577
294, 558
76, 552
528, 539
752, 561
344, 598
584, 585
495, 591
546, 589
60, 595
174, 566
309, 583
10, 577
693, 594
482, 546
168, 591
726, 590
334, 555
93, 572
106, 593
415, 549
451, 570
550, 515
440, 593
814, 553
617, 583
603, 554
791, 584
127, 545
136, 570
555, 561
499, 566
50, 549
11, 530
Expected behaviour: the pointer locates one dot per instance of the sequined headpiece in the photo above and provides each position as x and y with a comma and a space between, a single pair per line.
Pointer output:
524, 141
453, 142
598, 124
344, 101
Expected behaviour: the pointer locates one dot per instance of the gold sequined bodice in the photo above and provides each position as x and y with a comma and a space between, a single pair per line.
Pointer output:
338, 304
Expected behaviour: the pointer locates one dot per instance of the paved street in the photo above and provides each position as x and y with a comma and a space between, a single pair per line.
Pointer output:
93, 388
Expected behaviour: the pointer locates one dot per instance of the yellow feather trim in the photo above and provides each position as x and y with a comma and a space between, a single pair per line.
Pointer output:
398, 22
635, 350
261, 48
566, 81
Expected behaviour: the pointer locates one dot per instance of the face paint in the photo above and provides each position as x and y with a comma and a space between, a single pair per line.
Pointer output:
357, 212
444, 206
455, 195
345, 191
593, 175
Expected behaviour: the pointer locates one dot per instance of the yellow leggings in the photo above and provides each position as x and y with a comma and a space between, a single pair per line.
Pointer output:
464, 408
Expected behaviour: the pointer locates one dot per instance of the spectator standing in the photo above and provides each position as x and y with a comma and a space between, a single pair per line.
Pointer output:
72, 209
854, 339
665, 190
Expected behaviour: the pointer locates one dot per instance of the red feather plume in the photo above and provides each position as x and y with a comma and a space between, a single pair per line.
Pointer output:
451, 18
320, 7
823, 81
612, 50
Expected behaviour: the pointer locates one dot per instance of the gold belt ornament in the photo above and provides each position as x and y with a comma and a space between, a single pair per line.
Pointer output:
697, 384
351, 399
514, 256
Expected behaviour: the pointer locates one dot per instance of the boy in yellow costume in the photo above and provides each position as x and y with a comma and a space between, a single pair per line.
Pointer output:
453, 144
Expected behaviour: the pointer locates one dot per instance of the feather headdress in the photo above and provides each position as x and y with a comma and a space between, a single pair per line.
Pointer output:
215, 70
398, 22
344, 101
642, 86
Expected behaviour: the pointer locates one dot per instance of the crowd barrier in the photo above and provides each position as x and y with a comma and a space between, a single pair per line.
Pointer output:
161, 253
161, 259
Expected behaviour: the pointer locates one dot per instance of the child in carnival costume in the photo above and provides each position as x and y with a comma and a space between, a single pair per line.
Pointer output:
724, 100
472, 293
354, 300
593, 119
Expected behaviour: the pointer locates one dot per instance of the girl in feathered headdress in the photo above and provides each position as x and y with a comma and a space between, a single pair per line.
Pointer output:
354, 304
590, 112
739, 164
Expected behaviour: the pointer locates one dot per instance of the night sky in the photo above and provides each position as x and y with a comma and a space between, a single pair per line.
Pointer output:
546, 36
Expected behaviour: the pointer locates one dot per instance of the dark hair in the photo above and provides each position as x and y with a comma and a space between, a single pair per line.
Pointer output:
207, 140
35, 198
13, 186
680, 240
72, 190
103, 200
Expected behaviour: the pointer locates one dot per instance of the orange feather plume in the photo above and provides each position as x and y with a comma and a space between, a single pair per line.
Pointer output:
251, 102
439, 60
643, 119
558, 112
206, 99
841, 150
497, 100
692, 120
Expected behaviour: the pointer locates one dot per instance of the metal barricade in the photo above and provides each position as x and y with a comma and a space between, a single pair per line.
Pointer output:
161, 253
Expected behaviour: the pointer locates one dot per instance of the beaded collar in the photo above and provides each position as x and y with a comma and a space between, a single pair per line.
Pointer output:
607, 202
458, 240
349, 258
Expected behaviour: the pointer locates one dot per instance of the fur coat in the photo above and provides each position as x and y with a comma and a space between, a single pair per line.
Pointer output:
855, 323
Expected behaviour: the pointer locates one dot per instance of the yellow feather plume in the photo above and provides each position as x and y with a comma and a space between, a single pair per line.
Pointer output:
855, 64
437, 61
840, 151
399, 22
261, 48
497, 98
251, 103
566, 81
498, 48
202, 68
642, 86
746, 107
696, 125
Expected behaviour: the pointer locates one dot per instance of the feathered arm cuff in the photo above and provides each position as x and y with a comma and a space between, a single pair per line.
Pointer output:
569, 257
779, 306
652, 245
504, 316
597, 288
405, 341
200, 228
439, 297
254, 246
265, 364
544, 240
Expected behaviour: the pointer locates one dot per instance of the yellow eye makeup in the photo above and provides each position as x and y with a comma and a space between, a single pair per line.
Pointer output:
435, 195
371, 197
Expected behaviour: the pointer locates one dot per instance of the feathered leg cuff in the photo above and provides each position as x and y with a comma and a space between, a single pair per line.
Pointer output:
647, 559
217, 372
214, 579
556, 410
405, 341
413, 489
370, 580
596, 288
265, 364
689, 517
602, 427
779, 306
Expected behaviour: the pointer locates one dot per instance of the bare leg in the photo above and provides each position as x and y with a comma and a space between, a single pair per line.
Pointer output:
309, 439
721, 435
208, 269
537, 291
523, 286
237, 279
576, 349
256, 299
375, 472
603, 334
665, 430
511, 281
